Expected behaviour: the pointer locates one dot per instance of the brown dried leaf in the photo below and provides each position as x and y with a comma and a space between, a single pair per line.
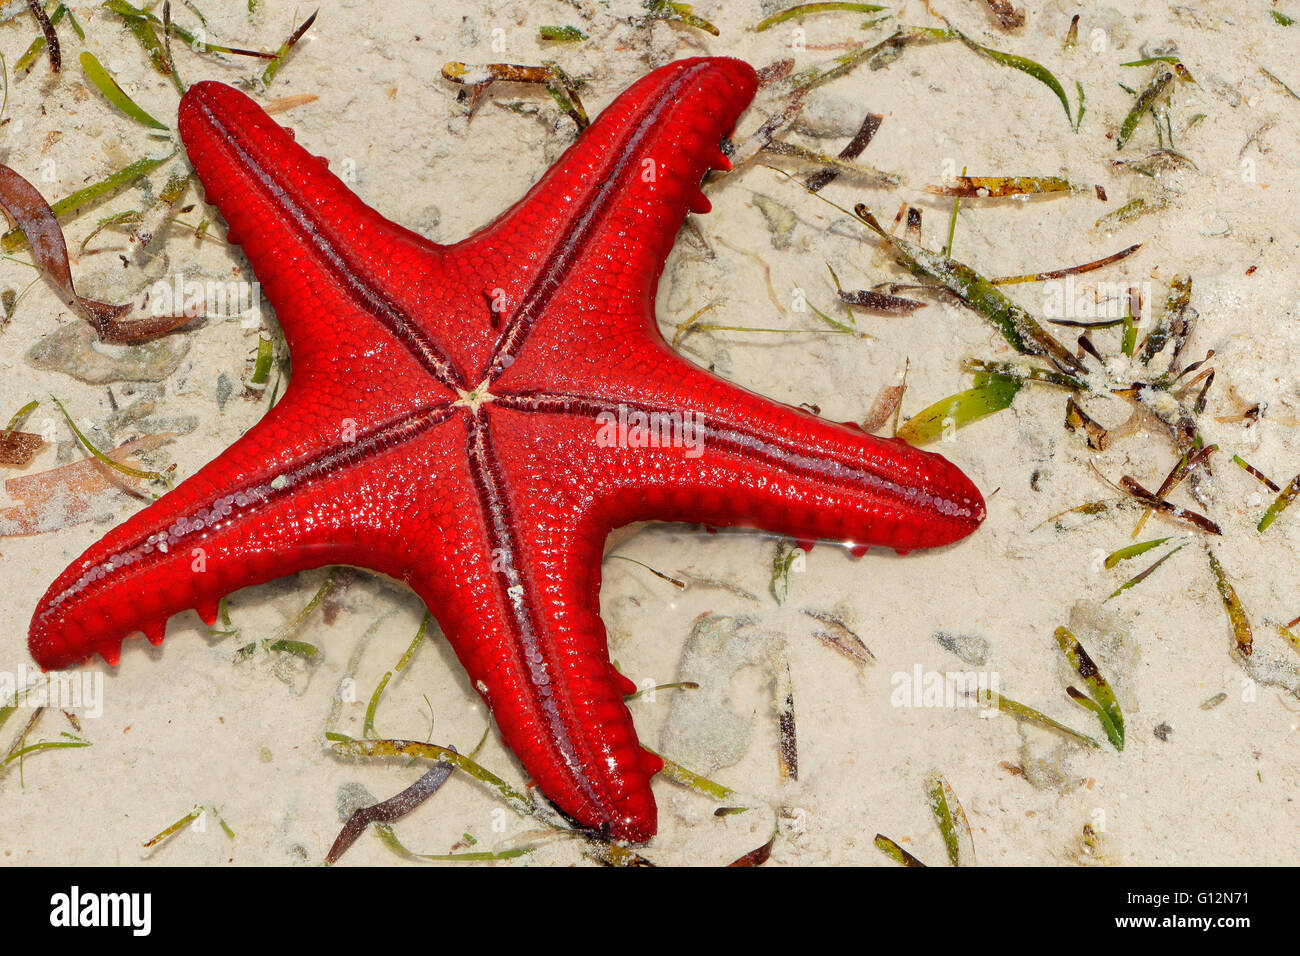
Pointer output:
284, 103
394, 808
1156, 503
887, 399
1076, 419
27, 207
17, 448
860, 141
879, 301
756, 857
70, 494
51, 38
774, 71
1008, 187
1008, 16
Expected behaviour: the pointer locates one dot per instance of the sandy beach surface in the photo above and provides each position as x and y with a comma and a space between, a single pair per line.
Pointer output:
862, 647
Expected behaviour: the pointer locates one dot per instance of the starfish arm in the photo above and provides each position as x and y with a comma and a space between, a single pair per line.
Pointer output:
328, 263
518, 602
276, 502
690, 445
608, 211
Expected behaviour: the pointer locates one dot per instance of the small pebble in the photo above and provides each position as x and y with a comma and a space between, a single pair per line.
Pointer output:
971, 648
75, 350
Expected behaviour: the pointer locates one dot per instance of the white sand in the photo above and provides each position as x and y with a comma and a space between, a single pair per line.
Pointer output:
183, 726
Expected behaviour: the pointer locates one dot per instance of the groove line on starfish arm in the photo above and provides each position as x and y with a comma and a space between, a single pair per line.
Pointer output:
527, 639
348, 274
540, 292
737, 439
244, 502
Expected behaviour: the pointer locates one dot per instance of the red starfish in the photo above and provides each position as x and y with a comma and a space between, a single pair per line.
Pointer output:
454, 422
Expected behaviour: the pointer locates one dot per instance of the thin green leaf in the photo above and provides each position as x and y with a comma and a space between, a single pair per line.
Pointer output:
787, 553
1132, 551
678, 12
139, 28
1108, 710
833, 323
1241, 631
1285, 632
1087, 703
286, 47
693, 781
811, 9
1024, 65
961, 409
297, 648
1280, 503
895, 852
416, 641
111, 463
174, 828
1170, 321
952, 821
1129, 342
127, 217
1021, 330
224, 627
477, 856
1024, 373
221, 822
280, 640
14, 239
389, 838
952, 223
262, 366
1143, 574
517, 801
4, 78
1025, 712
76, 27
19, 417
368, 725
105, 83
1152, 59
43, 745
561, 34
1158, 84
132, 14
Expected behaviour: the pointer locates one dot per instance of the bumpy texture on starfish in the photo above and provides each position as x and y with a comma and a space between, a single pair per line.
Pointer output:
453, 421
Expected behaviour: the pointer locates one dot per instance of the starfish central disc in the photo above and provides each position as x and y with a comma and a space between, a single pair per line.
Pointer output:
473, 399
